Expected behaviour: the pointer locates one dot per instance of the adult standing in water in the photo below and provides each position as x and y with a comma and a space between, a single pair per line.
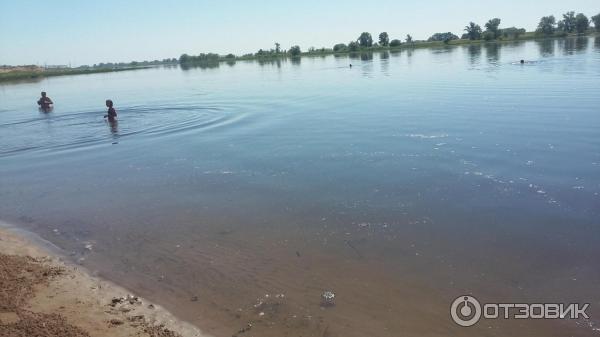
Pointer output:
45, 102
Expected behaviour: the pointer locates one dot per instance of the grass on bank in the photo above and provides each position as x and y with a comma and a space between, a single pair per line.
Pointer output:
32, 73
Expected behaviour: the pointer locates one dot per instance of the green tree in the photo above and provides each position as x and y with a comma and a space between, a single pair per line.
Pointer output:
488, 36
339, 47
596, 20
446, 37
185, 58
547, 25
295, 51
582, 23
493, 26
567, 24
473, 31
395, 43
277, 47
365, 40
353, 46
384, 39
409, 38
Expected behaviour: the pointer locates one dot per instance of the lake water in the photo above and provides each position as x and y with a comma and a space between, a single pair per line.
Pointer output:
399, 184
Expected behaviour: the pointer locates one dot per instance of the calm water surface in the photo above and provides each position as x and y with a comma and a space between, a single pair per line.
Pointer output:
399, 184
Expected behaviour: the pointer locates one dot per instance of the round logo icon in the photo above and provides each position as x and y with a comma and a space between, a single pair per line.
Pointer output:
465, 310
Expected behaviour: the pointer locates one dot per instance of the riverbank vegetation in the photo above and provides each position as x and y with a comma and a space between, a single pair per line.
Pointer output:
571, 24
32, 72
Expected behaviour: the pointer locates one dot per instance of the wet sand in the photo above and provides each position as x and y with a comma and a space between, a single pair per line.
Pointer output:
230, 283
41, 295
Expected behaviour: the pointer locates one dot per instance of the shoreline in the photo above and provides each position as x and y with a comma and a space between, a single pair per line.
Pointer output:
321, 52
47, 295
17, 76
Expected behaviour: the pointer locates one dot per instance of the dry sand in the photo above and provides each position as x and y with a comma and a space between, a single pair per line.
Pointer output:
7, 69
41, 295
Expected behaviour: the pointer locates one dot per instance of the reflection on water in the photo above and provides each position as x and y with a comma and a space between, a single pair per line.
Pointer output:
492, 52
399, 183
546, 47
474, 52
201, 65
384, 62
366, 56
570, 46
270, 61
409, 53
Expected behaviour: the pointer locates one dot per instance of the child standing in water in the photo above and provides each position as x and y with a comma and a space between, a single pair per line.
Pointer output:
112, 113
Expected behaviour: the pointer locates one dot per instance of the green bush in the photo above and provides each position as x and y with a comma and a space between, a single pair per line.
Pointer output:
340, 47
395, 43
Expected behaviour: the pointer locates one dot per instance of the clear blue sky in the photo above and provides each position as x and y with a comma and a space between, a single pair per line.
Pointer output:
87, 32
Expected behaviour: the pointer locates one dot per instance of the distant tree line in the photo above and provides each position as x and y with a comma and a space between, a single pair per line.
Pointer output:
210, 58
132, 64
492, 31
570, 23
201, 58
365, 41
445, 37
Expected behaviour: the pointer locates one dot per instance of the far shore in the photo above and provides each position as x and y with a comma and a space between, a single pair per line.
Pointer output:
42, 295
27, 73
21, 73
529, 36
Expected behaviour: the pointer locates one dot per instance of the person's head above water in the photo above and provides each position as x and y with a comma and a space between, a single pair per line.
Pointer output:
109, 103
43, 94
522, 61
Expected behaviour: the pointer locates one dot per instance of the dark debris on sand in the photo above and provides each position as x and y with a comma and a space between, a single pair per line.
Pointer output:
40, 325
18, 277
160, 331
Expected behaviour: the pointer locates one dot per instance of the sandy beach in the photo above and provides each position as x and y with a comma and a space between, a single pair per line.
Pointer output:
42, 295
